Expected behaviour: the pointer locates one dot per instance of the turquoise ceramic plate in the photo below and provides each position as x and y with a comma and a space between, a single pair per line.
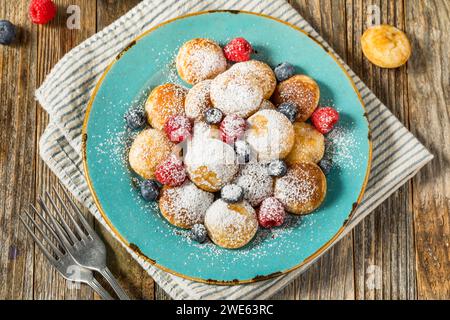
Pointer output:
148, 62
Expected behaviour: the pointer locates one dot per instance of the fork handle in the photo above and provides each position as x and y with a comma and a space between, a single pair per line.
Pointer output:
94, 284
114, 284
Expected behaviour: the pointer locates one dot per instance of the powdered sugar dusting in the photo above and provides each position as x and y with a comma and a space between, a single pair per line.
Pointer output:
236, 93
186, 204
256, 182
198, 100
200, 59
341, 144
261, 72
231, 225
270, 134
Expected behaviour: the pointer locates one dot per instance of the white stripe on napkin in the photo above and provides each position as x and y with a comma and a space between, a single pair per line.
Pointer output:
397, 154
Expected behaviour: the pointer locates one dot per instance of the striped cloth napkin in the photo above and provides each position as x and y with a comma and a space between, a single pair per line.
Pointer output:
397, 154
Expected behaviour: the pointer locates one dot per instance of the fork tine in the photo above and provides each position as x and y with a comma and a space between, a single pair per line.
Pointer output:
46, 238
83, 220
62, 220
79, 230
38, 242
59, 230
47, 225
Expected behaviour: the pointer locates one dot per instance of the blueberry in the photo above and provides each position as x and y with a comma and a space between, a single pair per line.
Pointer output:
135, 118
326, 164
213, 116
232, 193
150, 190
199, 233
277, 168
243, 151
284, 71
289, 109
7, 32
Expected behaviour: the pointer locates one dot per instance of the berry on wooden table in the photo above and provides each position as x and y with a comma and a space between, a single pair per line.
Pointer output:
178, 128
324, 119
150, 190
135, 119
213, 116
171, 172
238, 50
42, 11
199, 233
289, 109
271, 213
7, 32
232, 128
284, 71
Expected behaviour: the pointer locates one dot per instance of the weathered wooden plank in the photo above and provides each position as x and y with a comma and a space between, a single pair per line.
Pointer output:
53, 42
17, 154
384, 243
428, 24
134, 279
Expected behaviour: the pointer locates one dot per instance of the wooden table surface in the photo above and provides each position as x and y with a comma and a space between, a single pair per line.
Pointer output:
400, 251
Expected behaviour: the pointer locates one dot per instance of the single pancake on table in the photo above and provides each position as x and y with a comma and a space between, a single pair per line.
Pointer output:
185, 205
386, 46
309, 144
303, 189
200, 59
236, 93
163, 102
231, 225
301, 90
149, 148
270, 134
259, 71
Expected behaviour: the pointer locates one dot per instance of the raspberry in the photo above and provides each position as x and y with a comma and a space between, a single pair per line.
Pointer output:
271, 213
232, 128
324, 119
178, 128
171, 172
42, 11
238, 50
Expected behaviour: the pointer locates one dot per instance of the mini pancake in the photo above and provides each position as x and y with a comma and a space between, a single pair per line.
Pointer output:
210, 163
309, 144
301, 90
303, 189
386, 46
185, 205
270, 134
163, 102
236, 93
198, 100
200, 59
231, 225
149, 148
261, 72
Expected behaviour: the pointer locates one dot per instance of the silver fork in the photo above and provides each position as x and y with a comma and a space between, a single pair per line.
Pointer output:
61, 261
87, 249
